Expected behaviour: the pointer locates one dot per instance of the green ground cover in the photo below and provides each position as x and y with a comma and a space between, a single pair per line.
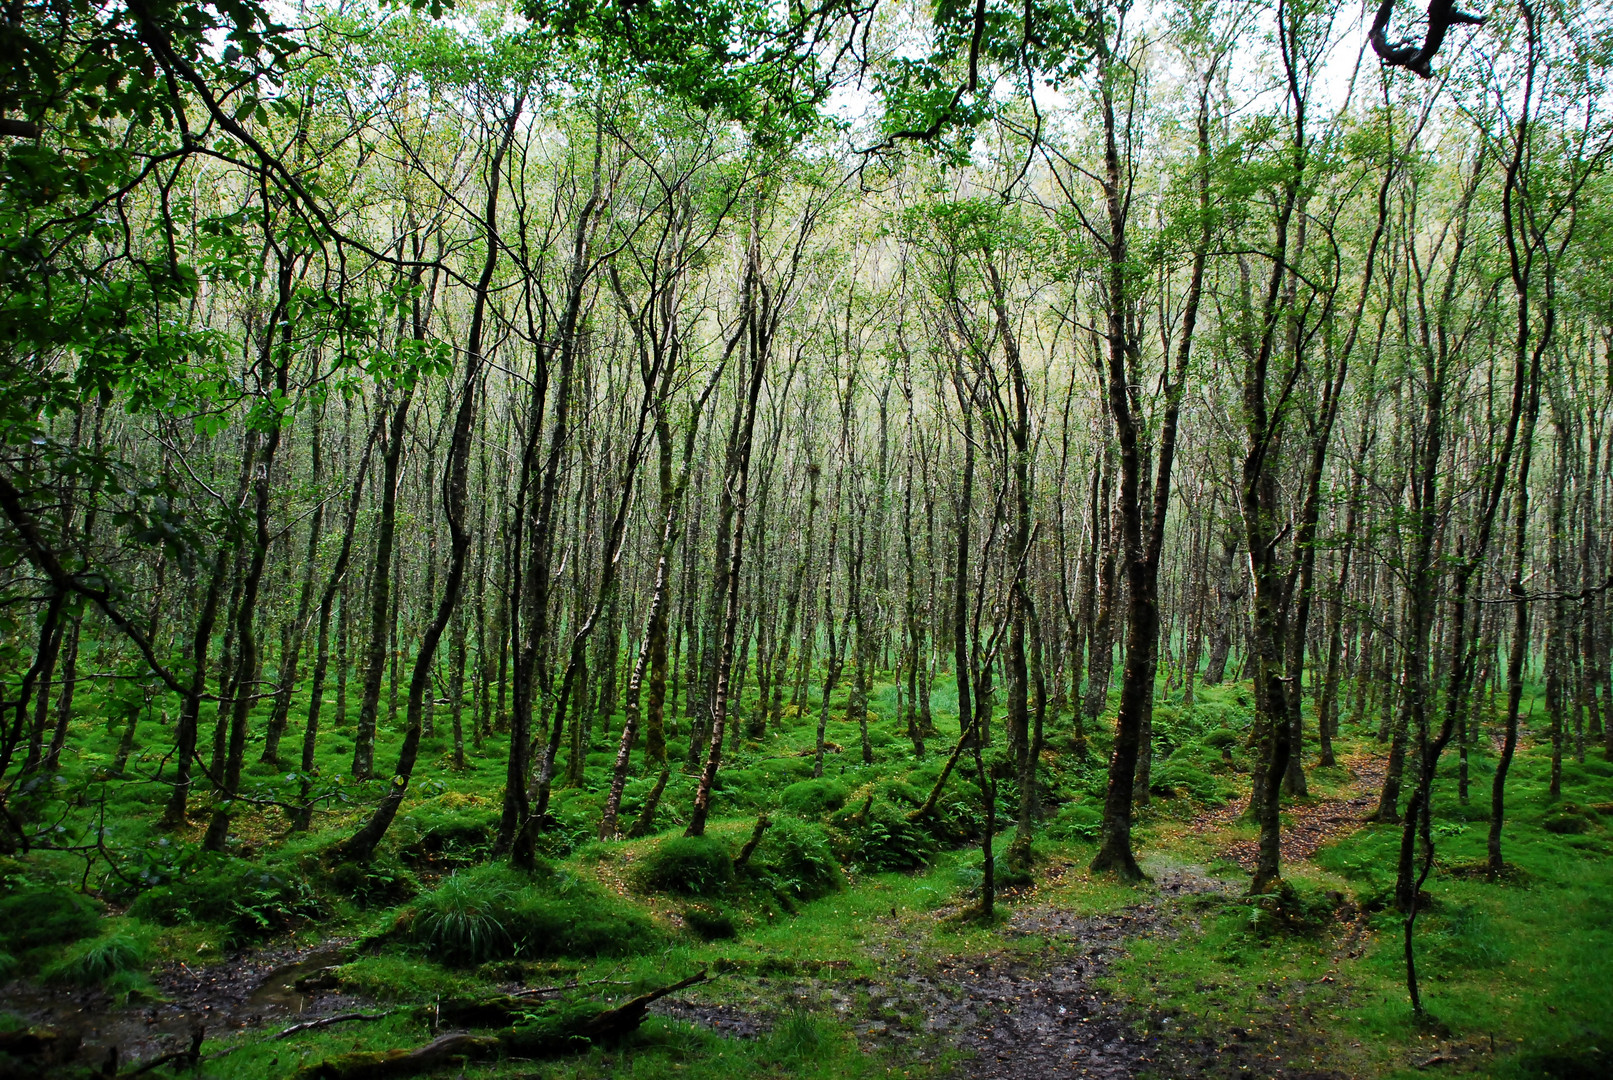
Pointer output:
842, 892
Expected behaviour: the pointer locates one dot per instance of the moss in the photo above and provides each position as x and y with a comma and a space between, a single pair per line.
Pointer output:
381, 882
1076, 821
710, 923
247, 899
688, 865
1179, 778
879, 836
813, 798
1565, 823
454, 828
796, 858
495, 913
34, 918
99, 960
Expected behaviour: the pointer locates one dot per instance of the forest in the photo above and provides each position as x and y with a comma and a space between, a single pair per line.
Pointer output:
839, 538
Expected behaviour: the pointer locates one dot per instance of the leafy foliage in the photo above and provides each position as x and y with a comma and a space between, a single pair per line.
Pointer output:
879, 836
797, 859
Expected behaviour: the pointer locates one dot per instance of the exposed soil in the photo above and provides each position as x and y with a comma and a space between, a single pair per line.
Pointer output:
1315, 821
1029, 1017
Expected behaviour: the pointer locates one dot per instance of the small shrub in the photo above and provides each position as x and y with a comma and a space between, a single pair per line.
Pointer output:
813, 798
39, 917
690, 865
1292, 910
710, 923
494, 913
462, 920
379, 883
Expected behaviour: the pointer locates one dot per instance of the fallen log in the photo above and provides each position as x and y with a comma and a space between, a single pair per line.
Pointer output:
560, 1027
569, 1027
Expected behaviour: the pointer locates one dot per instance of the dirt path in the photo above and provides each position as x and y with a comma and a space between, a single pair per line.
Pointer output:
1314, 823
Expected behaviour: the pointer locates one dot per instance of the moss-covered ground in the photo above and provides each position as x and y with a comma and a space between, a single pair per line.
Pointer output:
844, 896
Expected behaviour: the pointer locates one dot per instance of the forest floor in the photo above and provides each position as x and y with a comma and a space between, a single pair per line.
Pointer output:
885, 975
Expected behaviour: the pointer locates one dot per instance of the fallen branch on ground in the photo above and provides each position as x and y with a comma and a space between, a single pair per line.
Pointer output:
327, 1021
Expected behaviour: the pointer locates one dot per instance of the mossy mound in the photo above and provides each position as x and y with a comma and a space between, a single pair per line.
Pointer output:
35, 918
710, 923
1076, 821
687, 865
247, 899
813, 798
796, 859
879, 836
495, 913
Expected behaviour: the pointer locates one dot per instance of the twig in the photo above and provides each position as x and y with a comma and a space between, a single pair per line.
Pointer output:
536, 990
327, 1021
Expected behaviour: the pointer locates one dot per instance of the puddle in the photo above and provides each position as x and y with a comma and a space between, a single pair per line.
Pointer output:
270, 987
289, 987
